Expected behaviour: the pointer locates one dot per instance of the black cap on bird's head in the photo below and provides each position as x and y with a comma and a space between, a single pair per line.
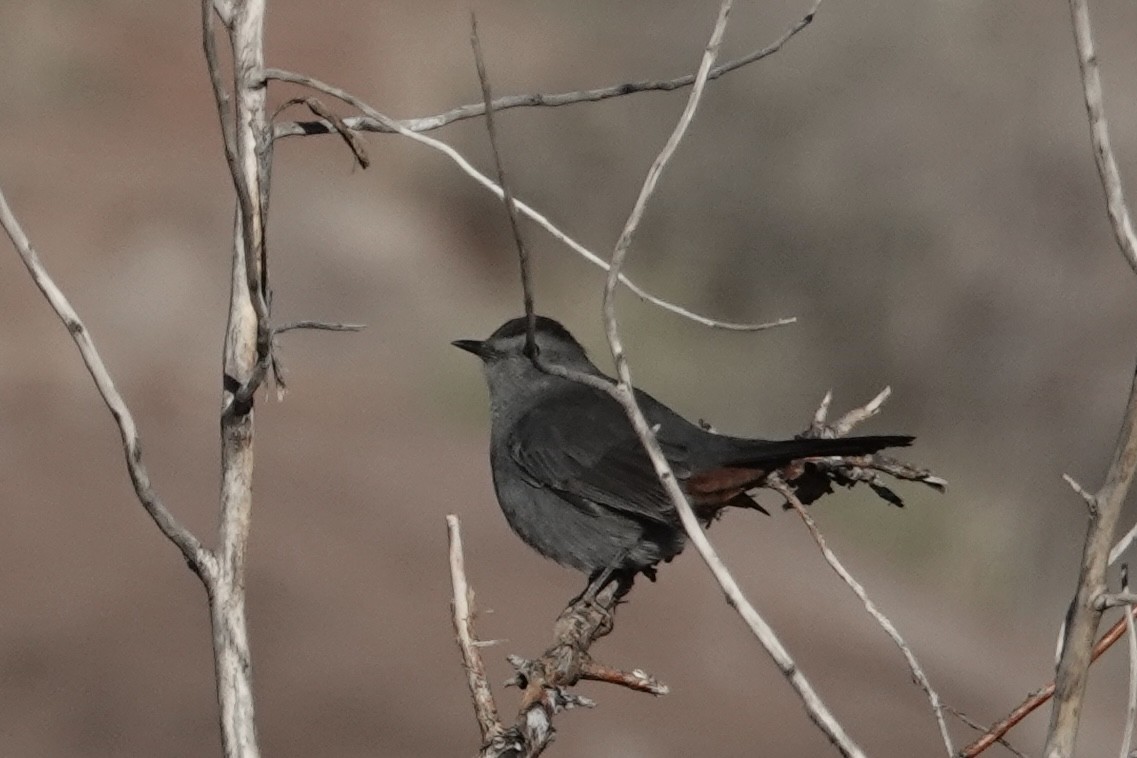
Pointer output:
553, 341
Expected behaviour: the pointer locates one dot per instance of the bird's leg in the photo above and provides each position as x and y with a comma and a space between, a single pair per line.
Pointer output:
601, 578
596, 582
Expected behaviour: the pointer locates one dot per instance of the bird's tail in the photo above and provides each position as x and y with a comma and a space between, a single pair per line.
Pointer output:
774, 453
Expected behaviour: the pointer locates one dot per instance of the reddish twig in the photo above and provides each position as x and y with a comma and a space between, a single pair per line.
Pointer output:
1038, 697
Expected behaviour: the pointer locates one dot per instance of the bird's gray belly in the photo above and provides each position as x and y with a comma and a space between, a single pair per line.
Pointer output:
586, 536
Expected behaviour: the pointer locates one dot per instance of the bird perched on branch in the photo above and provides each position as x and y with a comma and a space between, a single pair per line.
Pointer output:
574, 480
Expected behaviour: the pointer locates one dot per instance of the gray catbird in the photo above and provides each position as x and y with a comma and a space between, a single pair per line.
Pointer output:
573, 479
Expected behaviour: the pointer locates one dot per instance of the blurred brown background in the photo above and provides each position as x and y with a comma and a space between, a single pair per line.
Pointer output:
912, 180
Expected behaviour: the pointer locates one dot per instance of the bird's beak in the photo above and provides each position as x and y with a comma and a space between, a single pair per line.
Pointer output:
477, 347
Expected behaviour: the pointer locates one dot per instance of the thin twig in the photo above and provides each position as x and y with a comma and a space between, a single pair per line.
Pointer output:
1087, 497
1039, 697
822, 412
213, 66
624, 393
473, 110
278, 371
856, 416
1083, 617
1116, 206
506, 193
325, 326
197, 556
1122, 545
543, 221
775, 482
462, 606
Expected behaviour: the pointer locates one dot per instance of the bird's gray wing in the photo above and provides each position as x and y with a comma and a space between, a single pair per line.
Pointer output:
582, 445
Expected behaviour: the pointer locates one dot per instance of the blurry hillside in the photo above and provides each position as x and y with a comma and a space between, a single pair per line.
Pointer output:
912, 180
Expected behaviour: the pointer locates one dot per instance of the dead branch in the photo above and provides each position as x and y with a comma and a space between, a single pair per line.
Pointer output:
199, 559
524, 208
776, 483
1039, 697
1084, 616
473, 110
246, 357
463, 613
544, 685
623, 393
544, 681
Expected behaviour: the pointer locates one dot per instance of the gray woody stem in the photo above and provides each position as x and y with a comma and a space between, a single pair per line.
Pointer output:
623, 393
1085, 613
197, 557
245, 360
221, 571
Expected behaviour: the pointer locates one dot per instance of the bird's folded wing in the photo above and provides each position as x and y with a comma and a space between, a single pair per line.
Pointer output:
589, 453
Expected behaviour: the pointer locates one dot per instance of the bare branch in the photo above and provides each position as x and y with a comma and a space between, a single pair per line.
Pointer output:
326, 326
1118, 209
506, 194
251, 140
246, 359
1039, 697
543, 221
213, 65
1083, 617
1122, 545
473, 110
623, 392
544, 680
198, 557
1088, 497
462, 607
775, 482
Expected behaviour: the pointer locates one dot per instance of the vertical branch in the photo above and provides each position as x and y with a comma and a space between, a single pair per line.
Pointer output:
506, 193
245, 362
1085, 614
